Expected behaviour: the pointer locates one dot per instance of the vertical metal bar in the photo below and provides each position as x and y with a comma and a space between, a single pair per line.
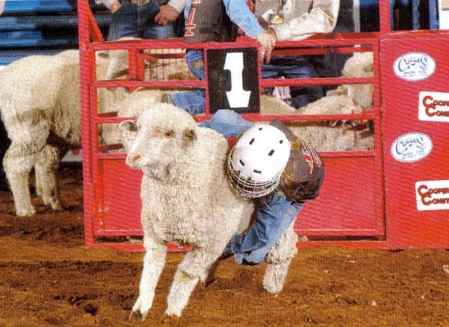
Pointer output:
378, 141
385, 13
85, 81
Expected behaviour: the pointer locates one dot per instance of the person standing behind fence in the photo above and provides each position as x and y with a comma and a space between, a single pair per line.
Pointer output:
216, 20
145, 19
296, 20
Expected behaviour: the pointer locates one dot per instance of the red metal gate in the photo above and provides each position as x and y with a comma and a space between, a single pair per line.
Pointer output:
351, 209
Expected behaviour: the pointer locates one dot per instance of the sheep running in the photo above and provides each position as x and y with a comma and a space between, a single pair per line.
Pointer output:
187, 199
40, 107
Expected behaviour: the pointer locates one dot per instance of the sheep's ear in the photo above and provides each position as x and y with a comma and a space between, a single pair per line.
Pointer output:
190, 135
128, 126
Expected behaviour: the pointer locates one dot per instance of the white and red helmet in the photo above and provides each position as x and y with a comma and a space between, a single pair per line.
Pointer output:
256, 163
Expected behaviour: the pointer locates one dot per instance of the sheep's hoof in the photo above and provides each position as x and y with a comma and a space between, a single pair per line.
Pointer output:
170, 320
142, 316
274, 278
58, 207
25, 212
137, 309
173, 312
55, 205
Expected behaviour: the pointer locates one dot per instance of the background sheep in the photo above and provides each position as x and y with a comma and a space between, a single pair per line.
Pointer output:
40, 107
130, 106
186, 199
325, 135
359, 65
346, 99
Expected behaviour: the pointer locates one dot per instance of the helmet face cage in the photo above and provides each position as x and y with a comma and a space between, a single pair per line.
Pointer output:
247, 187
256, 163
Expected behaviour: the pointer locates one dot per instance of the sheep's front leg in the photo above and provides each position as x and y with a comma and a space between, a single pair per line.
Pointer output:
279, 259
17, 169
153, 264
47, 163
193, 268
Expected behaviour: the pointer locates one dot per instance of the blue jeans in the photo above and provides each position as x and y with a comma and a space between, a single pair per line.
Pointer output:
273, 219
192, 101
295, 67
228, 123
132, 20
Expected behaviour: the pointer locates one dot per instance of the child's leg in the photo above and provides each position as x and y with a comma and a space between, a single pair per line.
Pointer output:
192, 101
272, 221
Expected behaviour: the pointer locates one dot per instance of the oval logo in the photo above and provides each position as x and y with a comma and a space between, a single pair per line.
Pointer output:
414, 66
411, 147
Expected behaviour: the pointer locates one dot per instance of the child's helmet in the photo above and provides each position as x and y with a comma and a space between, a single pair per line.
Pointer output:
256, 163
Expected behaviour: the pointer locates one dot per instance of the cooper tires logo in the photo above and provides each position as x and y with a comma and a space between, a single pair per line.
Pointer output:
433, 106
432, 195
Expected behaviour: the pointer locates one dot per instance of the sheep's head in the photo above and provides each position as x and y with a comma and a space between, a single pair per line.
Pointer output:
360, 65
160, 137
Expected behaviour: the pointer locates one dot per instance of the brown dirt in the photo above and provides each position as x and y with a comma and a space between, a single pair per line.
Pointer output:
49, 278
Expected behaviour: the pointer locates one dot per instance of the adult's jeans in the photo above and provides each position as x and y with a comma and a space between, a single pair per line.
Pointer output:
194, 102
132, 20
295, 67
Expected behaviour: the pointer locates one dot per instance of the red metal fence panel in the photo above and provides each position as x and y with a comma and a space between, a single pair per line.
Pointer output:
358, 204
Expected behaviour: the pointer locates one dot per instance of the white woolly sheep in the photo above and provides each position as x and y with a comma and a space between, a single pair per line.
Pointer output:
187, 199
359, 65
40, 107
327, 135
346, 99
130, 106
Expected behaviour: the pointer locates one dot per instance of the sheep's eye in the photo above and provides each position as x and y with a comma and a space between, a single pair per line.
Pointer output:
169, 133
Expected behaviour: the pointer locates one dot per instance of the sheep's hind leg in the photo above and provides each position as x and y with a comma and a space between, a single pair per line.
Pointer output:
279, 259
193, 268
17, 169
47, 163
153, 264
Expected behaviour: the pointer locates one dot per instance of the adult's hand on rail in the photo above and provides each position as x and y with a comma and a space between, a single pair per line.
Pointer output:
166, 15
267, 41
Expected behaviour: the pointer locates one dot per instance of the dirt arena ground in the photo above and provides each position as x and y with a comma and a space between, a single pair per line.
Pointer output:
49, 278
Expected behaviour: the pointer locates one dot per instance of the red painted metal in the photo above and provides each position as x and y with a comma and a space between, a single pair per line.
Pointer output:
367, 199
407, 224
